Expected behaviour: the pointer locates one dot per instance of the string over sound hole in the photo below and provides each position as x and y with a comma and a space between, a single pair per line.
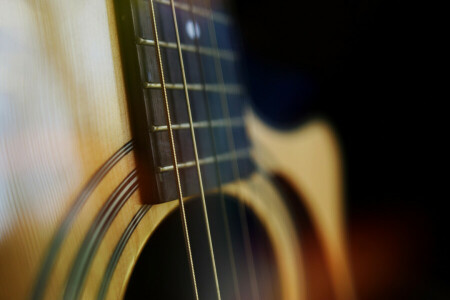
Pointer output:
162, 270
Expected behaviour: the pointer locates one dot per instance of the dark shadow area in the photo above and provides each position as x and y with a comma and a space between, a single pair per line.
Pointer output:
365, 67
162, 270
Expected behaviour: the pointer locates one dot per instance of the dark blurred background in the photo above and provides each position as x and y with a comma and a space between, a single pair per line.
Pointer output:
363, 65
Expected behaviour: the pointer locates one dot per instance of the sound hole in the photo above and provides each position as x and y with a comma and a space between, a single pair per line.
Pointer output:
162, 270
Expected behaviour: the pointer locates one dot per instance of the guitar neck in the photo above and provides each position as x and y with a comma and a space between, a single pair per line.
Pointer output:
185, 94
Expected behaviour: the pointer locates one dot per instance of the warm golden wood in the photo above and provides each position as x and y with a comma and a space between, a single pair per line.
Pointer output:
309, 158
81, 225
63, 113
135, 245
262, 197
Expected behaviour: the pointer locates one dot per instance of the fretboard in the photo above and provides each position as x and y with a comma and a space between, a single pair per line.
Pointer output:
213, 87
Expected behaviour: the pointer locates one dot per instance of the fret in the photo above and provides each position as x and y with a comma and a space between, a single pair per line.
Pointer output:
211, 123
217, 88
223, 54
236, 122
237, 154
200, 11
178, 74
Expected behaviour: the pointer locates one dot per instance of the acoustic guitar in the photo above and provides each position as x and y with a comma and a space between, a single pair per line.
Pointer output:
132, 167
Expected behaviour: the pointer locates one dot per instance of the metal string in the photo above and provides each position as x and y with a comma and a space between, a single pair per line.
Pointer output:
216, 162
197, 164
174, 154
224, 103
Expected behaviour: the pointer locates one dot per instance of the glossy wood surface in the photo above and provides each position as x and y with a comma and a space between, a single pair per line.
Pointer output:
309, 158
63, 114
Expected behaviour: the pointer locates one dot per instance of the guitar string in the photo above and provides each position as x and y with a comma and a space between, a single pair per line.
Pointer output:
224, 102
174, 154
199, 173
225, 218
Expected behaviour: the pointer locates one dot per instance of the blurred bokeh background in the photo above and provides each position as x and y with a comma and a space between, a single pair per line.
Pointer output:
363, 66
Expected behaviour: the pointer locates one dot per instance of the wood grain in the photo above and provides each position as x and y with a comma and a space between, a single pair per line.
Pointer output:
63, 114
259, 194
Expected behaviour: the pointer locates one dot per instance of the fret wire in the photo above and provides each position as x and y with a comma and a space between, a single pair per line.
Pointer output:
242, 153
174, 154
224, 101
217, 16
223, 54
229, 241
235, 122
194, 142
216, 88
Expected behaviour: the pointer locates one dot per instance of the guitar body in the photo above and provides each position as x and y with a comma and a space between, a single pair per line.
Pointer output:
73, 221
